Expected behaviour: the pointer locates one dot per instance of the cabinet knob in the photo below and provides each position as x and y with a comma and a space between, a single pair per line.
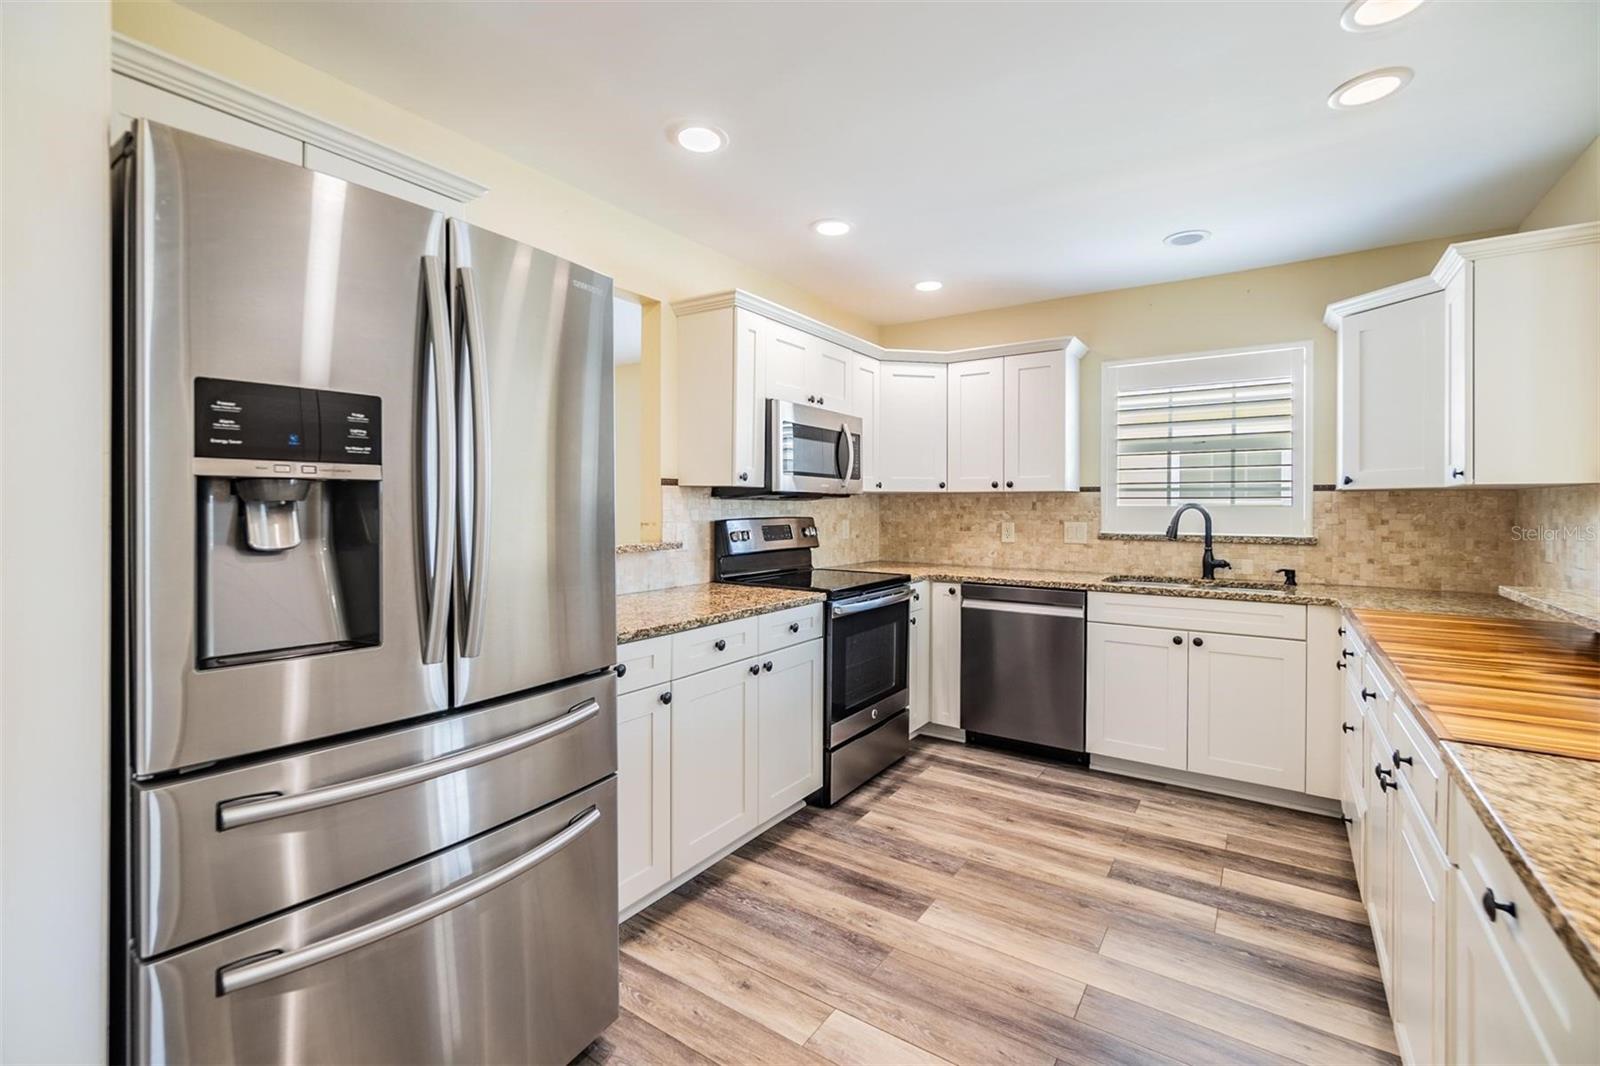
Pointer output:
1492, 907
1385, 777
1348, 480
1347, 727
622, 668
811, 399
1346, 819
767, 666
1199, 643
1346, 653
1010, 485
1340, 665
1341, 631
941, 484
994, 484
721, 645
821, 402
1458, 473
916, 595
744, 475
1368, 695
665, 697
877, 485
1397, 759
951, 590
794, 627
755, 668
913, 621
1177, 640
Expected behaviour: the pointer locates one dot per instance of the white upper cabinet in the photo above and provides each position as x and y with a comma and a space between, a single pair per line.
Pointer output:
830, 377
1393, 396
1041, 422
787, 373
1483, 373
911, 427
976, 413
864, 397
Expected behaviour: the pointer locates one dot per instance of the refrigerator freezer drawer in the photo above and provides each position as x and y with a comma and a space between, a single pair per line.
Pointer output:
218, 850
503, 949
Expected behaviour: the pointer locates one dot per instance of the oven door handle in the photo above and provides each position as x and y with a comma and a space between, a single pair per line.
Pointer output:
842, 610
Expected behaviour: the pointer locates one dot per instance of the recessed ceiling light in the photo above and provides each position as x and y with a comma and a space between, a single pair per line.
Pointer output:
831, 227
1361, 15
928, 286
1369, 88
1186, 236
700, 139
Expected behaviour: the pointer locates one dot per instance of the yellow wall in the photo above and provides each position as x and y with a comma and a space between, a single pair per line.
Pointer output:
1253, 307
1574, 198
523, 203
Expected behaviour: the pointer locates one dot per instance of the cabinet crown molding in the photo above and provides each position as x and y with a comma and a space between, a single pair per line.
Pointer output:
1455, 259
141, 62
749, 301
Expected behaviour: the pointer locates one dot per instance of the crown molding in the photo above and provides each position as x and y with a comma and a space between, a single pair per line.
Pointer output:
1457, 256
749, 301
1367, 301
139, 61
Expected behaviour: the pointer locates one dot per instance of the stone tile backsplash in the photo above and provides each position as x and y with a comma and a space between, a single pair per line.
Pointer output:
1460, 540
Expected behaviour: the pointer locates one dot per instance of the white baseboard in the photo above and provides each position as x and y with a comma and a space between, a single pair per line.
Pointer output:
689, 875
1277, 797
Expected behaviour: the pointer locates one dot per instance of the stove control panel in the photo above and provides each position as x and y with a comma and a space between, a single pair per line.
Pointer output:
741, 536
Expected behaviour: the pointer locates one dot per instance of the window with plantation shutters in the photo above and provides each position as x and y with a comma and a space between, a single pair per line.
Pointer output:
1227, 430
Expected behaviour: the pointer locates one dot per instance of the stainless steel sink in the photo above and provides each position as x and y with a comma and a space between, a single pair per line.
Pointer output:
1190, 584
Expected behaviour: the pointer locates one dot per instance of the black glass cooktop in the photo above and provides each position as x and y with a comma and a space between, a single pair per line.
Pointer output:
837, 584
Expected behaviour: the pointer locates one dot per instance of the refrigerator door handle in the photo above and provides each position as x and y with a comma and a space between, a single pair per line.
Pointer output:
472, 584
250, 972
444, 532
231, 814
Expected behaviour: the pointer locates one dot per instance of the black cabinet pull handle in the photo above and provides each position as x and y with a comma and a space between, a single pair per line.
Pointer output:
1199, 643
721, 645
1492, 906
622, 668
1341, 631
1347, 727
755, 668
1348, 654
767, 666
1177, 640
794, 627
1385, 777
1397, 759
665, 697
1458, 473
1339, 665
1368, 695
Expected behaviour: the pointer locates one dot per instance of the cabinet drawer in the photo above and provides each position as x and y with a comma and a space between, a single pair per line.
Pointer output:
712, 646
1353, 653
783, 628
643, 663
1284, 620
1423, 776
1554, 995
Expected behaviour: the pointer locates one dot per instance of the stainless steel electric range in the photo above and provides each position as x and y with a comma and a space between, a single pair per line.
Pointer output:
867, 726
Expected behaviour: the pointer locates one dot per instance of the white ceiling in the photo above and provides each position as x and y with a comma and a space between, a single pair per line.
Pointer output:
1015, 151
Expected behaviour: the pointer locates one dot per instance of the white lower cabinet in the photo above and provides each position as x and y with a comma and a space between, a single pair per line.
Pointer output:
917, 665
1137, 699
1417, 936
1247, 709
788, 736
1376, 848
944, 660
644, 796
715, 793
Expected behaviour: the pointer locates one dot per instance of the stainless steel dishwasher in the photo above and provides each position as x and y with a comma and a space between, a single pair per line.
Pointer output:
1022, 664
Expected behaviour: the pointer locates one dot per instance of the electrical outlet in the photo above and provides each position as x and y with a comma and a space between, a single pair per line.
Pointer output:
1246, 566
1008, 532
1075, 532
844, 529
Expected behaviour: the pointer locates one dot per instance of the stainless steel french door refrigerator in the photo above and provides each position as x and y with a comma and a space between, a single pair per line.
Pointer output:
365, 610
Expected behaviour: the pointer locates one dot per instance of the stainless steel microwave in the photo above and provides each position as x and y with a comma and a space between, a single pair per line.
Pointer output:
811, 450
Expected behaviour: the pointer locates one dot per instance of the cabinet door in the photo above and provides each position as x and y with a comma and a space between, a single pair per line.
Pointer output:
944, 659
919, 661
830, 376
1247, 709
911, 414
1458, 367
1490, 1020
1037, 422
864, 398
644, 794
788, 353
1137, 705
1379, 847
977, 425
790, 733
1417, 940
714, 761
1393, 396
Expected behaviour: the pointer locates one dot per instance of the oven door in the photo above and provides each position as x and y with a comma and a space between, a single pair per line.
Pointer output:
868, 643
810, 449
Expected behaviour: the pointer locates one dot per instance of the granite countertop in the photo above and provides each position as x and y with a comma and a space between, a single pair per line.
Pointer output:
1478, 604
1569, 605
654, 614
1541, 810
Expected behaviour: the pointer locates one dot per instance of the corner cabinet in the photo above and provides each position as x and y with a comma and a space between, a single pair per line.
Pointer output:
1482, 373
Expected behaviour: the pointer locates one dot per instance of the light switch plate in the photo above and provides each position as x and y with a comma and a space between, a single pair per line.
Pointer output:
1008, 532
1076, 532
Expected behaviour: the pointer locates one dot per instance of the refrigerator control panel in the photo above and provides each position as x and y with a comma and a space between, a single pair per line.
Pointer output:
251, 420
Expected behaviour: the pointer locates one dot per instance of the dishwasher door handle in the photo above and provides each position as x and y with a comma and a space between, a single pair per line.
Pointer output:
1008, 607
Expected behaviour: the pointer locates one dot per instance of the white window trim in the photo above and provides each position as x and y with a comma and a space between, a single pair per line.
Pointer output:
1266, 360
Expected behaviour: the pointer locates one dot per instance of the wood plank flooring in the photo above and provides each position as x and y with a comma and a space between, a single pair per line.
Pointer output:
975, 906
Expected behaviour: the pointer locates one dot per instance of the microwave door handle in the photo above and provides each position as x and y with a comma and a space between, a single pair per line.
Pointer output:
443, 477
249, 972
473, 585
850, 454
